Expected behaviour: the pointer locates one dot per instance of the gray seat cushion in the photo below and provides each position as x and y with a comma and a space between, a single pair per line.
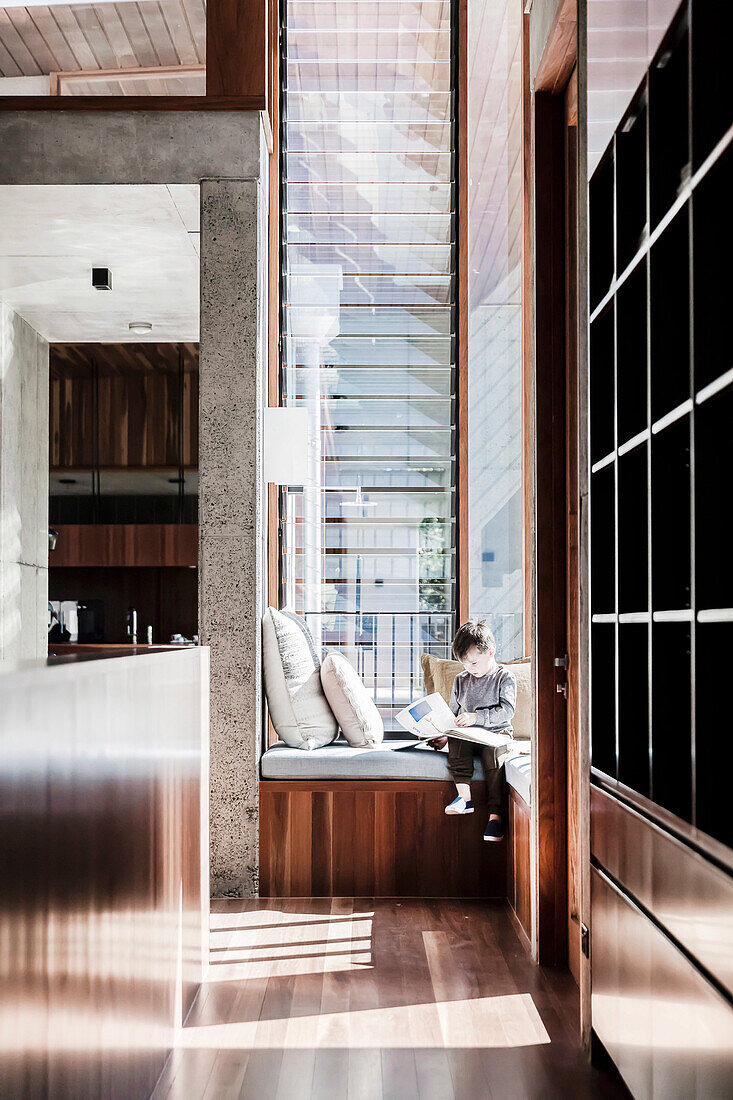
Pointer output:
340, 761
518, 772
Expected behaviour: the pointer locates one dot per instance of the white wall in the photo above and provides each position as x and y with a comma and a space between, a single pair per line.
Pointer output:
23, 488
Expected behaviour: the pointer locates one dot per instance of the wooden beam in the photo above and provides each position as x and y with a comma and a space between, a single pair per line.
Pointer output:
237, 60
95, 76
125, 544
132, 103
561, 52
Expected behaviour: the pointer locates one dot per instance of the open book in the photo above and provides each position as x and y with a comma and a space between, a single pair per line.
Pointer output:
432, 717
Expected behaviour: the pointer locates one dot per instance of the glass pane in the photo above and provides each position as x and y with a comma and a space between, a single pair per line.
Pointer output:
383, 320
495, 512
368, 313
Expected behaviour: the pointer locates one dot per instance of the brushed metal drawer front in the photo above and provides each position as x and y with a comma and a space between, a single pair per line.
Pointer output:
691, 897
667, 1029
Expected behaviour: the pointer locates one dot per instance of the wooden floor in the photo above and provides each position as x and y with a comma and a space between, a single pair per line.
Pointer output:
347, 998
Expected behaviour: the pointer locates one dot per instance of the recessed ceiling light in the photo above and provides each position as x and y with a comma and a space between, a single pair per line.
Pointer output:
140, 326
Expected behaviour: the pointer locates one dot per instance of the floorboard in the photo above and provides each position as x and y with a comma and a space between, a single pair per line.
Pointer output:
377, 1000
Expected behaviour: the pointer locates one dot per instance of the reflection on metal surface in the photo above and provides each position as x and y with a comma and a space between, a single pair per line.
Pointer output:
104, 896
691, 897
667, 1029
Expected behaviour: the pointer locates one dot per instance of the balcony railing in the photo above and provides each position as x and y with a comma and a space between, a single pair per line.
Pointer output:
385, 648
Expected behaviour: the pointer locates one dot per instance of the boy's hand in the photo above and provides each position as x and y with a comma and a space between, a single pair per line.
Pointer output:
438, 742
468, 719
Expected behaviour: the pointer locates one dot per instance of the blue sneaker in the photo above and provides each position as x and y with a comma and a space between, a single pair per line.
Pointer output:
494, 830
459, 805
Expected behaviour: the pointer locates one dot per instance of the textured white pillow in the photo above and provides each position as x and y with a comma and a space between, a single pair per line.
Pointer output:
360, 721
299, 710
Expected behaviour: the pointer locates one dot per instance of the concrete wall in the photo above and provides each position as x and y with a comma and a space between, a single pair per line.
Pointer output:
232, 368
23, 488
224, 152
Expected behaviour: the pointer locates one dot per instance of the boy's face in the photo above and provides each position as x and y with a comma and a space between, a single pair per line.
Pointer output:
477, 661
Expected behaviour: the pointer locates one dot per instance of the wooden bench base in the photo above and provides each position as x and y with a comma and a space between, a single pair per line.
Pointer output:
518, 864
388, 838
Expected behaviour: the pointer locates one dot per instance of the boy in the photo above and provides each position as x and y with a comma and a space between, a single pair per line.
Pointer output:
485, 695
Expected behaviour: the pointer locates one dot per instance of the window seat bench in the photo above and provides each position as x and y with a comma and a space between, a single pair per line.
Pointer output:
340, 761
343, 822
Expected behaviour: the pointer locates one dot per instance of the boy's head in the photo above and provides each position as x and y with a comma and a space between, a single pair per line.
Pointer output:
474, 647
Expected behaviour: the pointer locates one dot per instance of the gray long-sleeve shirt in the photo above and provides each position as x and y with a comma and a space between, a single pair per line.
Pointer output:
492, 698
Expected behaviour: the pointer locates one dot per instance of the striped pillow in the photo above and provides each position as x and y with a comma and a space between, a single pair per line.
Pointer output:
298, 707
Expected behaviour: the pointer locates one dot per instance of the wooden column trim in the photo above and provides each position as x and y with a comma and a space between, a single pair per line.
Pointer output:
462, 214
237, 61
273, 294
273, 306
96, 76
550, 527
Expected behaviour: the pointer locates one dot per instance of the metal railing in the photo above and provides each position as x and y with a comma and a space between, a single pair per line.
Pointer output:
385, 648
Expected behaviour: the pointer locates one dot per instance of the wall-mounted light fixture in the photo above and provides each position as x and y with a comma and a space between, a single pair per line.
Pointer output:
140, 327
286, 446
53, 538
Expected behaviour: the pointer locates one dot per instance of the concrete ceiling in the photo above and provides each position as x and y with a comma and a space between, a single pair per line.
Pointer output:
51, 237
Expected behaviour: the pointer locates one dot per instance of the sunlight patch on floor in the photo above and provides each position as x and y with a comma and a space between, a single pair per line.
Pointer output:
272, 943
479, 1023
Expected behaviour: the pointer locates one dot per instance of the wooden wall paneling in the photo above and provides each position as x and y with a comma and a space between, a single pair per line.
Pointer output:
385, 840
136, 403
321, 882
519, 881
550, 527
125, 544
300, 842
71, 422
373, 839
237, 49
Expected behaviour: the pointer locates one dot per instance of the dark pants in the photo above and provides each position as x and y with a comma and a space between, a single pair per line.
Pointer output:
460, 763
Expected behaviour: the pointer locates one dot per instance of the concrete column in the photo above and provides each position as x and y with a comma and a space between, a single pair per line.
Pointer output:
23, 488
232, 529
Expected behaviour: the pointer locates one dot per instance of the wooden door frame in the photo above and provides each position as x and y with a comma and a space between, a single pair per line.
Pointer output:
547, 387
239, 37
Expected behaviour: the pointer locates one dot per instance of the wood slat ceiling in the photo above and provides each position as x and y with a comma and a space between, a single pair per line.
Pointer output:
39, 40
75, 360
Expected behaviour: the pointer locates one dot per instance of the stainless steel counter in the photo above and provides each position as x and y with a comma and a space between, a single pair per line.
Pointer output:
103, 869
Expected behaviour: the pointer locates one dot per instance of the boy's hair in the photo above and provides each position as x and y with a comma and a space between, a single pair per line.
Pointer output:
475, 632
